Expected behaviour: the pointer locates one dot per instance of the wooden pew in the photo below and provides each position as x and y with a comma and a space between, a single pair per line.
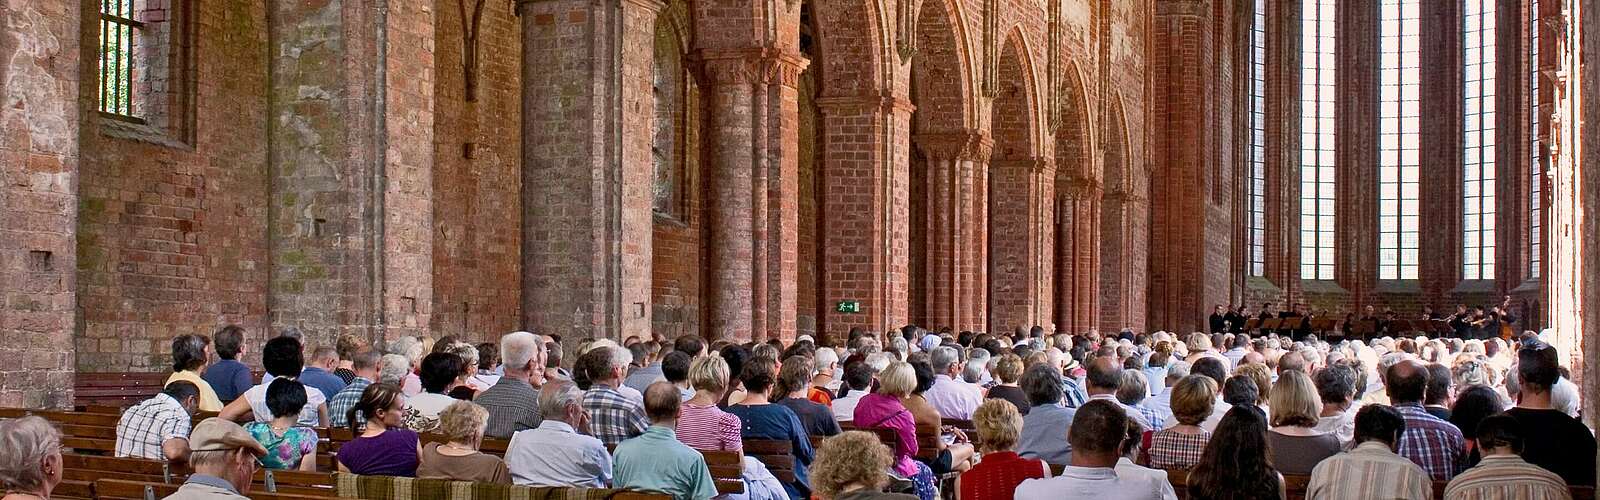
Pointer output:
116, 489
727, 471
116, 389
295, 482
778, 455
73, 489
90, 468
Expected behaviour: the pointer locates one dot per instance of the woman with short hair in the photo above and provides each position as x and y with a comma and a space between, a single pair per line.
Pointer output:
190, 355
764, 420
850, 466
1180, 446
1001, 470
441, 372
458, 459
288, 444
883, 410
1294, 445
30, 458
1007, 371
793, 389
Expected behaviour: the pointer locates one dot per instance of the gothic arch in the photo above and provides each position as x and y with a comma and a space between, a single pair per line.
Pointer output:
1014, 117
1124, 222
1074, 137
941, 71
1077, 215
1021, 187
852, 48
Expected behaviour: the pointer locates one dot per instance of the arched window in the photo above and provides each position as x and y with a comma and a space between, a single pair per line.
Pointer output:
1399, 166
1317, 179
1257, 187
1478, 165
1535, 166
666, 148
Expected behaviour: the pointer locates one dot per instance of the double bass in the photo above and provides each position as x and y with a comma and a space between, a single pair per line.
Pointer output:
1506, 332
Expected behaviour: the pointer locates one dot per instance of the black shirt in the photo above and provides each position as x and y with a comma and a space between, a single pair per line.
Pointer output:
1012, 394
1557, 442
1218, 323
816, 418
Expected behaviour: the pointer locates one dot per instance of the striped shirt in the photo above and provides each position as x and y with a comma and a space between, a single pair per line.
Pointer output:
1368, 472
1507, 477
1432, 443
709, 428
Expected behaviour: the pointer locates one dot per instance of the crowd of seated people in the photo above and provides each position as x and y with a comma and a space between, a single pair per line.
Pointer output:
1233, 414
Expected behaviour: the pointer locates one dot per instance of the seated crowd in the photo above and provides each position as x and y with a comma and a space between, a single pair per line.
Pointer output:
1050, 416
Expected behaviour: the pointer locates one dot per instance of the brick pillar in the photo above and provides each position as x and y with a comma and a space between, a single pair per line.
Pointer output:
587, 173
954, 253
864, 206
1356, 262
351, 134
39, 68
1440, 149
1078, 260
752, 127
1020, 206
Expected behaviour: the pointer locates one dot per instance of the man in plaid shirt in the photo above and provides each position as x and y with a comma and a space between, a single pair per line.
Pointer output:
1433, 444
612, 416
158, 428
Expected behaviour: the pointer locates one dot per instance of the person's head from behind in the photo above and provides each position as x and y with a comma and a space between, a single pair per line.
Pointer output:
759, 375
924, 373
1261, 375
186, 393
325, 358
690, 344
1096, 433
1193, 399
378, 408
1472, 405
898, 379
282, 357
999, 425
945, 360
392, 369
521, 353
850, 461
1538, 368
1104, 375
348, 345
1240, 390
188, 353
1211, 367
223, 449
286, 398
858, 375
228, 342
661, 403
1134, 387
794, 376
1234, 463
1406, 382
488, 356
468, 355
709, 374
1379, 423
366, 363
1438, 389
1042, 384
1008, 369
1336, 384
1499, 435
675, 367
440, 371
30, 456
562, 401
463, 423
1294, 401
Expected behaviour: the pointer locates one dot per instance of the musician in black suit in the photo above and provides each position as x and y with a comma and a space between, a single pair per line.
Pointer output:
1236, 319
1219, 321
1460, 321
1267, 311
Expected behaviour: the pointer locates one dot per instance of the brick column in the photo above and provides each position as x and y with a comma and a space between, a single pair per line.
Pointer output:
752, 127
1123, 265
1019, 260
39, 61
1078, 261
954, 253
351, 142
864, 206
586, 173
1439, 259
1357, 102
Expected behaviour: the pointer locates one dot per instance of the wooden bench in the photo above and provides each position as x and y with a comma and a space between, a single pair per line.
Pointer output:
727, 471
73, 489
1295, 486
119, 390
295, 482
91, 468
777, 455
116, 489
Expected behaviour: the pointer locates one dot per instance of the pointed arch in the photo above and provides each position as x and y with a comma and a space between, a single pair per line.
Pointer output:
853, 52
942, 70
1074, 138
1014, 120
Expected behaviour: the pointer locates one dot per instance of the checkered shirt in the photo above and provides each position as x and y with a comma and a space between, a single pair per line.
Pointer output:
513, 406
612, 416
339, 407
1433, 444
146, 425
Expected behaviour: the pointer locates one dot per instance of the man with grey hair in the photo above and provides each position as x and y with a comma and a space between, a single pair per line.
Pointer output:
828, 374
616, 416
224, 459
951, 397
512, 400
558, 453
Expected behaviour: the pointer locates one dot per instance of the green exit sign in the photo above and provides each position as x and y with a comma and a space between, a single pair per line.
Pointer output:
848, 306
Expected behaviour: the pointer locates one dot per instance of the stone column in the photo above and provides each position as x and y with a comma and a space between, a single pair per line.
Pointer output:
752, 119
1078, 261
586, 166
39, 71
1019, 262
955, 161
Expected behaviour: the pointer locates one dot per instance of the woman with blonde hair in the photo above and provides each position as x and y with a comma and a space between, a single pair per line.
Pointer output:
1262, 376
1002, 469
30, 458
1294, 445
883, 410
458, 459
850, 466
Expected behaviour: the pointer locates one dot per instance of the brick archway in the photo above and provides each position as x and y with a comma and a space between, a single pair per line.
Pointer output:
1124, 222
1077, 222
1021, 192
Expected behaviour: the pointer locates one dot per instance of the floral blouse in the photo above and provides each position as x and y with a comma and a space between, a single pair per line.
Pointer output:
283, 451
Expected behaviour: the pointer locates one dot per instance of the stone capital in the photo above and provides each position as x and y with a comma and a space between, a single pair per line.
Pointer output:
964, 145
757, 65
1079, 188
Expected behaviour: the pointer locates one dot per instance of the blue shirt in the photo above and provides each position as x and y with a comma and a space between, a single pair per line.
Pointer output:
328, 383
1044, 434
774, 421
656, 461
229, 378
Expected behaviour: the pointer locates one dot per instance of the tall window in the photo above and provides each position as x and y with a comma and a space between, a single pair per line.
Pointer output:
666, 86
1317, 182
119, 32
1478, 176
1258, 165
1536, 171
1399, 165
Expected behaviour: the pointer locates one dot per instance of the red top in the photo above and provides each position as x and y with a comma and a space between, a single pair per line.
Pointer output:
998, 474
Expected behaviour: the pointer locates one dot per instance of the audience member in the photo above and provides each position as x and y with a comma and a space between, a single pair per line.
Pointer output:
1437, 398
382, 447
319, 374
440, 373
850, 466
762, 419
557, 452
1097, 434
950, 396
675, 368
288, 444
1007, 371
613, 416
655, 460
413, 350
1132, 393
224, 461
1241, 390
365, 368
955, 454
347, 346
189, 357
1430, 442
826, 382
281, 355
793, 389
884, 409
1002, 469
1127, 469
1181, 446
1372, 469
458, 459
1472, 405
642, 377
30, 458
1551, 438
1234, 464
1214, 368
489, 369
1502, 474
1044, 428
1336, 388
702, 425
858, 378
158, 428
1294, 445
513, 400
228, 377
461, 388
1161, 401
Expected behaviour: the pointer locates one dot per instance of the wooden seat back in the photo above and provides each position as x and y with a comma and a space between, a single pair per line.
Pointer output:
778, 455
116, 489
116, 389
90, 468
727, 471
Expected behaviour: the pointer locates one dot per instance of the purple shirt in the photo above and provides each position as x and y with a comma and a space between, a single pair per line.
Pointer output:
393, 453
883, 411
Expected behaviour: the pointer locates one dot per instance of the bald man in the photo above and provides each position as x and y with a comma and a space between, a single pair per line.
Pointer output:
1103, 379
1428, 441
